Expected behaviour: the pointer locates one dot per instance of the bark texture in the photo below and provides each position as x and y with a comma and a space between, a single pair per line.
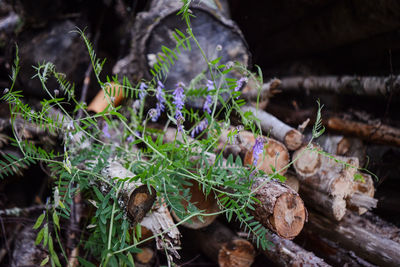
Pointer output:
282, 132
374, 86
381, 133
287, 253
281, 208
368, 240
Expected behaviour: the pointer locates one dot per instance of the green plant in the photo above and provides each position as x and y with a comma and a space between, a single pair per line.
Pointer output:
88, 146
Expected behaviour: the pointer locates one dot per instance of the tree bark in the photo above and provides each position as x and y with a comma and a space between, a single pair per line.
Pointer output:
287, 253
331, 206
360, 235
221, 245
326, 174
363, 198
342, 146
373, 86
211, 27
332, 252
381, 134
292, 138
280, 209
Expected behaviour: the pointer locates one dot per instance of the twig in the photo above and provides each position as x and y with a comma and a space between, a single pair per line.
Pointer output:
89, 70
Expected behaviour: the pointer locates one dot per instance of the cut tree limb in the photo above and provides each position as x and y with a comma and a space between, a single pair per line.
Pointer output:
331, 206
382, 134
330, 174
287, 253
280, 209
332, 252
221, 245
360, 235
363, 198
275, 154
155, 29
291, 137
342, 146
372, 86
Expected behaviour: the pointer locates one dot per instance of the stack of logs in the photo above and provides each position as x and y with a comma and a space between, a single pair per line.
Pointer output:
334, 214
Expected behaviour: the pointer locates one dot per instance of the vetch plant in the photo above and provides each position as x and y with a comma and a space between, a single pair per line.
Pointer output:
94, 143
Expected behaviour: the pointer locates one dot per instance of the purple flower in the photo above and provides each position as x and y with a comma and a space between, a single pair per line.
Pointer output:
129, 139
257, 149
105, 131
160, 95
208, 102
179, 103
239, 84
142, 91
199, 127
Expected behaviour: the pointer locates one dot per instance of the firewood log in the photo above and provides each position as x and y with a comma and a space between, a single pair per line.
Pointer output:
113, 96
145, 258
325, 173
280, 208
381, 133
222, 246
276, 154
342, 146
25, 252
374, 86
376, 243
363, 198
333, 207
291, 137
287, 253
332, 252
211, 26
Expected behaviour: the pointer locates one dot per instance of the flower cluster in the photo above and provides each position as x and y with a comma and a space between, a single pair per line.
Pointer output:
199, 127
239, 84
105, 131
160, 95
257, 149
208, 102
142, 91
179, 103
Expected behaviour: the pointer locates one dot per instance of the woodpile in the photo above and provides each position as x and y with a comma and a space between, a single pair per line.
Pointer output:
318, 198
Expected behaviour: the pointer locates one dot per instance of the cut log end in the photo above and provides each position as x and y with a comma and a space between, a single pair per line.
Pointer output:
306, 161
293, 139
207, 204
289, 215
281, 208
140, 202
238, 252
276, 155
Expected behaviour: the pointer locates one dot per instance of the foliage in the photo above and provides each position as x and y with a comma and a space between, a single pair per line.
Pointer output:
88, 147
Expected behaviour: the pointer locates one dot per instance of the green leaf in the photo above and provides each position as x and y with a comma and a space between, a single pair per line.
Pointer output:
39, 221
39, 237
56, 220
215, 61
45, 234
85, 263
46, 260
98, 193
